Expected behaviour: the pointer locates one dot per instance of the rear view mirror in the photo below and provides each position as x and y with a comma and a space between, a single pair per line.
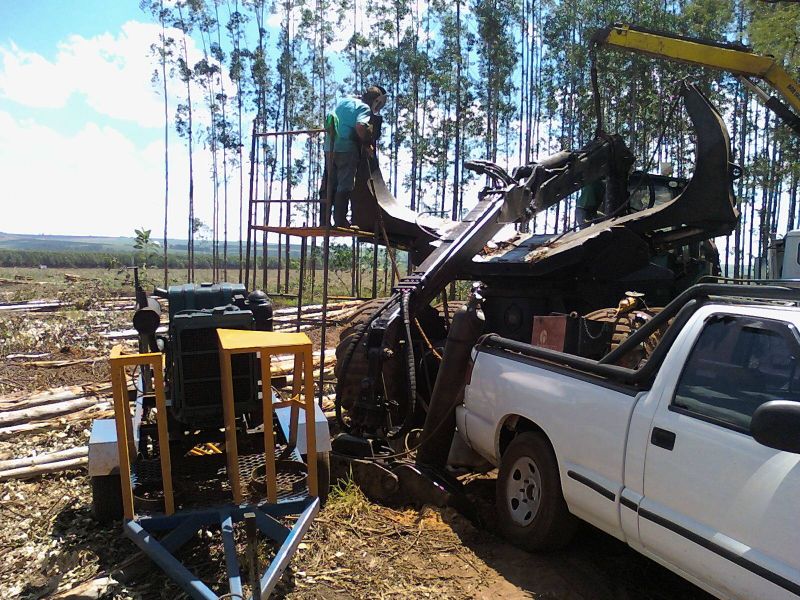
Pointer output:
777, 424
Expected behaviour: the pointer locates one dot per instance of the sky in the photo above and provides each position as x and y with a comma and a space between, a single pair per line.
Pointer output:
81, 125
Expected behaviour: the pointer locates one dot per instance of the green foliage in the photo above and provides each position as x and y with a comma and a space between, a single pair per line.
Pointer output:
775, 29
147, 247
109, 260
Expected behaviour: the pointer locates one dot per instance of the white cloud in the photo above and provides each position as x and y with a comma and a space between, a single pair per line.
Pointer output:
96, 182
27, 78
112, 72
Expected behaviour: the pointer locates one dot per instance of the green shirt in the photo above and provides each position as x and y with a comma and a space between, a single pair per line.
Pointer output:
346, 115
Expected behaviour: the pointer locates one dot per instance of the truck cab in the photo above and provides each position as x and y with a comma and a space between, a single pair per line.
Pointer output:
784, 256
695, 464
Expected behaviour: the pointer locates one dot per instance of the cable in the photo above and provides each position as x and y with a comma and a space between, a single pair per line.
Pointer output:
406, 452
411, 375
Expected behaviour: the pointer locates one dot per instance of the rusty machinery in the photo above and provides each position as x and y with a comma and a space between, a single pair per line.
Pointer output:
389, 378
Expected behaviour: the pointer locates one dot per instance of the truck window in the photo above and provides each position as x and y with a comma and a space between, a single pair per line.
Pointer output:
736, 365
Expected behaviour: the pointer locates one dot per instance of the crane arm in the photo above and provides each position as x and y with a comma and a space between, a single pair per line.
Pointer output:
733, 58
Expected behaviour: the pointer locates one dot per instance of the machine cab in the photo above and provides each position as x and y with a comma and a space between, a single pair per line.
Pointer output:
784, 257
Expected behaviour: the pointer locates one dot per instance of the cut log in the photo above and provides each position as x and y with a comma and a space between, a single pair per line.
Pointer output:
34, 355
21, 400
47, 411
14, 430
88, 590
40, 459
284, 364
328, 374
61, 363
38, 306
36, 470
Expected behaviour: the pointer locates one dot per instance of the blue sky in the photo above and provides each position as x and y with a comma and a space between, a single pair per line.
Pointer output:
38, 25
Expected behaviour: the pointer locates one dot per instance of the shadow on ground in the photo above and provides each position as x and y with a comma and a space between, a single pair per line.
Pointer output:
594, 566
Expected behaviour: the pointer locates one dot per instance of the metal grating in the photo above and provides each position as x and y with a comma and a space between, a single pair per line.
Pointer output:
203, 480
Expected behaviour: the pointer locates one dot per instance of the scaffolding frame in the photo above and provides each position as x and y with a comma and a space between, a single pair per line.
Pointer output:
271, 167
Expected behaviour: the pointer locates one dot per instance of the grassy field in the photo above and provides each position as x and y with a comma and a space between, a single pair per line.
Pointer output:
24, 283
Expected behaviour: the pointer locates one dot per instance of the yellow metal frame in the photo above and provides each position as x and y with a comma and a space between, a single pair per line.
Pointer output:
124, 422
697, 52
268, 344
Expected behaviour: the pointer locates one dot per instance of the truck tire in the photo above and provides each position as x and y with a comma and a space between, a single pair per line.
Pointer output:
106, 498
323, 476
531, 510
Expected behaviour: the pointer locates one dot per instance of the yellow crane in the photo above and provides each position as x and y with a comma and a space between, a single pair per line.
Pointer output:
734, 58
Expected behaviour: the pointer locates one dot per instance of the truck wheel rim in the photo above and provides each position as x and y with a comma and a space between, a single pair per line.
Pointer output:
523, 491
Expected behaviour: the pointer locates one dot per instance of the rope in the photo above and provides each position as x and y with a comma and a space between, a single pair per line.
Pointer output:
427, 341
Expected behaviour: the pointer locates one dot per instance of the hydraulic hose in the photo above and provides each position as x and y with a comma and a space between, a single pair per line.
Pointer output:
411, 376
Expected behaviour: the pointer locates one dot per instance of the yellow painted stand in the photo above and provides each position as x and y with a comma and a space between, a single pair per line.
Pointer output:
268, 344
122, 417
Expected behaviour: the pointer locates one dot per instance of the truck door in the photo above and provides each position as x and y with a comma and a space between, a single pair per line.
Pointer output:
718, 505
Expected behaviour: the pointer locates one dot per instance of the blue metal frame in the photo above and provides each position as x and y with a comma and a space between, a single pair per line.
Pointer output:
183, 525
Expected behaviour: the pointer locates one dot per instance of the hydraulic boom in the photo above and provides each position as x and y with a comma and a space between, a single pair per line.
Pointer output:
733, 58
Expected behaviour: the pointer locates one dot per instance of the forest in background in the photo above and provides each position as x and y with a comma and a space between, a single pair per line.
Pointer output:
504, 80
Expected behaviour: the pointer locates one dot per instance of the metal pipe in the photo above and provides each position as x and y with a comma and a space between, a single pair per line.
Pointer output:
326, 248
250, 208
251, 530
301, 283
185, 579
287, 550
694, 292
293, 132
231, 563
440, 422
683, 307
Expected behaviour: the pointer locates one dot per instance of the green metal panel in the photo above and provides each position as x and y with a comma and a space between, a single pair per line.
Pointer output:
195, 379
197, 296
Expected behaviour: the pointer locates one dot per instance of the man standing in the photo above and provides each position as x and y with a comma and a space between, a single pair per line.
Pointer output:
352, 120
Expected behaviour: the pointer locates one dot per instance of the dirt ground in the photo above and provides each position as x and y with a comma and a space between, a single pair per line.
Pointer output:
50, 544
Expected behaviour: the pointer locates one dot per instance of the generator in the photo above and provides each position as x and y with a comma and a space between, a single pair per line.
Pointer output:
196, 311
206, 439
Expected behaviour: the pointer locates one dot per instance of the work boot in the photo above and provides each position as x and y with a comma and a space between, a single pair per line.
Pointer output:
341, 202
324, 212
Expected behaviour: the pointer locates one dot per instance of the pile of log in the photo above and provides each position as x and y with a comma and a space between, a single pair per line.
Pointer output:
37, 412
284, 319
23, 414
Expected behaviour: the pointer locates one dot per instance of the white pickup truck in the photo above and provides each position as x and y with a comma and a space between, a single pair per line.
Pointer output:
693, 460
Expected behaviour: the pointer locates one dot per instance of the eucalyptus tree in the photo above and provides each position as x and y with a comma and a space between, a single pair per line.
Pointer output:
184, 118
237, 71
387, 17
165, 50
497, 59
208, 76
